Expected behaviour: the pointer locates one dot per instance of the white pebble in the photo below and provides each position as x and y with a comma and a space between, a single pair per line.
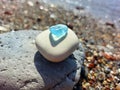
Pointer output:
30, 3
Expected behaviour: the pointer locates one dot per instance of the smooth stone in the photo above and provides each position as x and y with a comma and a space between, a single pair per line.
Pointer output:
56, 51
2, 28
22, 67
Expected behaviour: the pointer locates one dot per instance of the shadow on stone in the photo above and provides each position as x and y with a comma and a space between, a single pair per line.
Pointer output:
55, 42
58, 76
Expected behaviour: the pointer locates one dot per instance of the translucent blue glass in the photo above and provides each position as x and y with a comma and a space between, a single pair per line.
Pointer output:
58, 31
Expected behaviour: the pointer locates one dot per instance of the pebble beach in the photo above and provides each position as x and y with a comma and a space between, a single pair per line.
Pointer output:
101, 40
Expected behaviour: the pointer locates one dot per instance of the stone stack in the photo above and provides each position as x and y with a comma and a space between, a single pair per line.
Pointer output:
22, 67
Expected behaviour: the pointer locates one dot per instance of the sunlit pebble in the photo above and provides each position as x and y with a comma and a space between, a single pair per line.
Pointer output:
116, 78
30, 3
67, 14
86, 28
110, 53
111, 63
52, 5
3, 7
52, 16
86, 85
107, 70
99, 87
26, 12
104, 82
100, 53
46, 9
92, 77
114, 34
100, 61
112, 72
95, 53
89, 58
41, 7
119, 70
109, 46
111, 42
12, 31
91, 71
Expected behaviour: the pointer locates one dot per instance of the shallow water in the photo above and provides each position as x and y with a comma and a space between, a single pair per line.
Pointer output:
107, 10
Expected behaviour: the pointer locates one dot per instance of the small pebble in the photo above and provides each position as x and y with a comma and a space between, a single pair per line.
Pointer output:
3, 29
53, 16
101, 76
119, 70
41, 7
30, 3
109, 46
107, 70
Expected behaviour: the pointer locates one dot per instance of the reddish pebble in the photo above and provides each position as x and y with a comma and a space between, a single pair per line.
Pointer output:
109, 57
91, 65
8, 13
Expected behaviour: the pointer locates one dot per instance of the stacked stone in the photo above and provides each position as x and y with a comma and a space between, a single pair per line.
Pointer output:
57, 65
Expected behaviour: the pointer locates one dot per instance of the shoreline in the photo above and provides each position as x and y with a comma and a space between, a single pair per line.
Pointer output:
100, 40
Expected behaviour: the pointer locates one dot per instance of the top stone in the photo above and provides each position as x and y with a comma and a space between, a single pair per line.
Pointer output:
57, 43
58, 31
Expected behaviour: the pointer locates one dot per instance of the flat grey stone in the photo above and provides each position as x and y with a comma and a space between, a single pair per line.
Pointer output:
22, 67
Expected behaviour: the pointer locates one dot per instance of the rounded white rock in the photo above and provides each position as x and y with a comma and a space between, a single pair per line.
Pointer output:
56, 50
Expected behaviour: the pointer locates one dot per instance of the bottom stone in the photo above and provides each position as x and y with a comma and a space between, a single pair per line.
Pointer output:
22, 67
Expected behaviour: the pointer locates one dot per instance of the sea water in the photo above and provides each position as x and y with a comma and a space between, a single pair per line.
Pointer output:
107, 10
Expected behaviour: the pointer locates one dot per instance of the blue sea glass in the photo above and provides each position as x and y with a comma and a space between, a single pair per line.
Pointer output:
58, 31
